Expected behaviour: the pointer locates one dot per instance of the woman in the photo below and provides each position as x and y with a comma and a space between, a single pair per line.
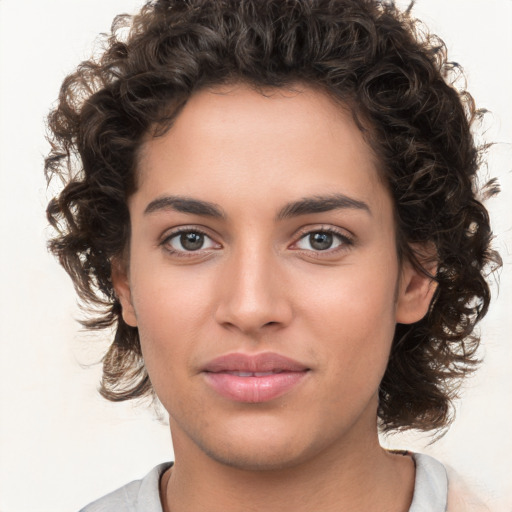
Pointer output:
275, 207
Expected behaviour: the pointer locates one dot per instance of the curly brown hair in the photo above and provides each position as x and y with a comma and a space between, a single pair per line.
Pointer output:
366, 54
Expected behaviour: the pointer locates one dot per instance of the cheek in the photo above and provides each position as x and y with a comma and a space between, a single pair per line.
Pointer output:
355, 312
167, 296
362, 295
170, 309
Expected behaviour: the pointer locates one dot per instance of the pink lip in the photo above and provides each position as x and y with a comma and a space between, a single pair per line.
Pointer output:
283, 374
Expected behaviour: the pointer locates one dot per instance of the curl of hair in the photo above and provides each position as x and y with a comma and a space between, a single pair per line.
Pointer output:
364, 53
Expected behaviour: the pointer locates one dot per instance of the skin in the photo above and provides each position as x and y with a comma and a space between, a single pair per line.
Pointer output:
257, 284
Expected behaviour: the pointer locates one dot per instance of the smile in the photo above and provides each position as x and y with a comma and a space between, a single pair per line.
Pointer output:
253, 378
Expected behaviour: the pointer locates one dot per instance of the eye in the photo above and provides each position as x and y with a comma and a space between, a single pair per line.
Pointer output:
322, 240
189, 241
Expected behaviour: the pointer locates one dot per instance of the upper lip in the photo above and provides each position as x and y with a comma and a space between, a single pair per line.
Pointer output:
262, 362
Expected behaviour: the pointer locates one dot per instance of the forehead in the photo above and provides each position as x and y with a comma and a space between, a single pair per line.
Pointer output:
236, 140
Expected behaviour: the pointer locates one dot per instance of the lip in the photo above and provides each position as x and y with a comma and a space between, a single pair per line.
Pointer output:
273, 376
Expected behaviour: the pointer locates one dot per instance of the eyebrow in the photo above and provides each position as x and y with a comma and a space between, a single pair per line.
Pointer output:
185, 205
319, 204
307, 205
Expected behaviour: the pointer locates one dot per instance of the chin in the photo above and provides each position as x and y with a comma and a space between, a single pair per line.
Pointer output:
257, 459
264, 449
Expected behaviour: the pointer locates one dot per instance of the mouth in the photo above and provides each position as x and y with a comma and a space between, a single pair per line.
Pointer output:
254, 378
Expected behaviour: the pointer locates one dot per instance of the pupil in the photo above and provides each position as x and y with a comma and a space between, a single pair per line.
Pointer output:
320, 241
191, 241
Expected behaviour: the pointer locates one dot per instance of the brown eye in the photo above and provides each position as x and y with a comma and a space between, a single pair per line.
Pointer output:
321, 241
189, 241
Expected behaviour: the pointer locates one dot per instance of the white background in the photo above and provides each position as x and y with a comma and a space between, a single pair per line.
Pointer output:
61, 444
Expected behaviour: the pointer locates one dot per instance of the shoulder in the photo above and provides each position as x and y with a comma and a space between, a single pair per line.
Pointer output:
441, 489
137, 496
460, 497
430, 486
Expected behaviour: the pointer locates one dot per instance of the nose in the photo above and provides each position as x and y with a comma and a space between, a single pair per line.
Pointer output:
253, 293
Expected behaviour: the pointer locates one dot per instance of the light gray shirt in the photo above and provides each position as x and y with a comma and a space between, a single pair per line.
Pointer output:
430, 490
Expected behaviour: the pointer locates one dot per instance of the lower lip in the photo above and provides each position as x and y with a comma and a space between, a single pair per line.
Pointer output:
254, 389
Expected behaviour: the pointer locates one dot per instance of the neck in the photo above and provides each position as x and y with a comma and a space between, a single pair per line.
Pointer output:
352, 476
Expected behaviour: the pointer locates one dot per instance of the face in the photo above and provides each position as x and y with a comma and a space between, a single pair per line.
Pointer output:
263, 277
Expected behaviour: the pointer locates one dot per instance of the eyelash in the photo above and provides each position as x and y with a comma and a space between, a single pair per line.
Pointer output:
346, 241
179, 231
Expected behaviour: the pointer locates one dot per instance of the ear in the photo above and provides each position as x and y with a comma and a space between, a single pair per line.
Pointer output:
121, 282
416, 289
